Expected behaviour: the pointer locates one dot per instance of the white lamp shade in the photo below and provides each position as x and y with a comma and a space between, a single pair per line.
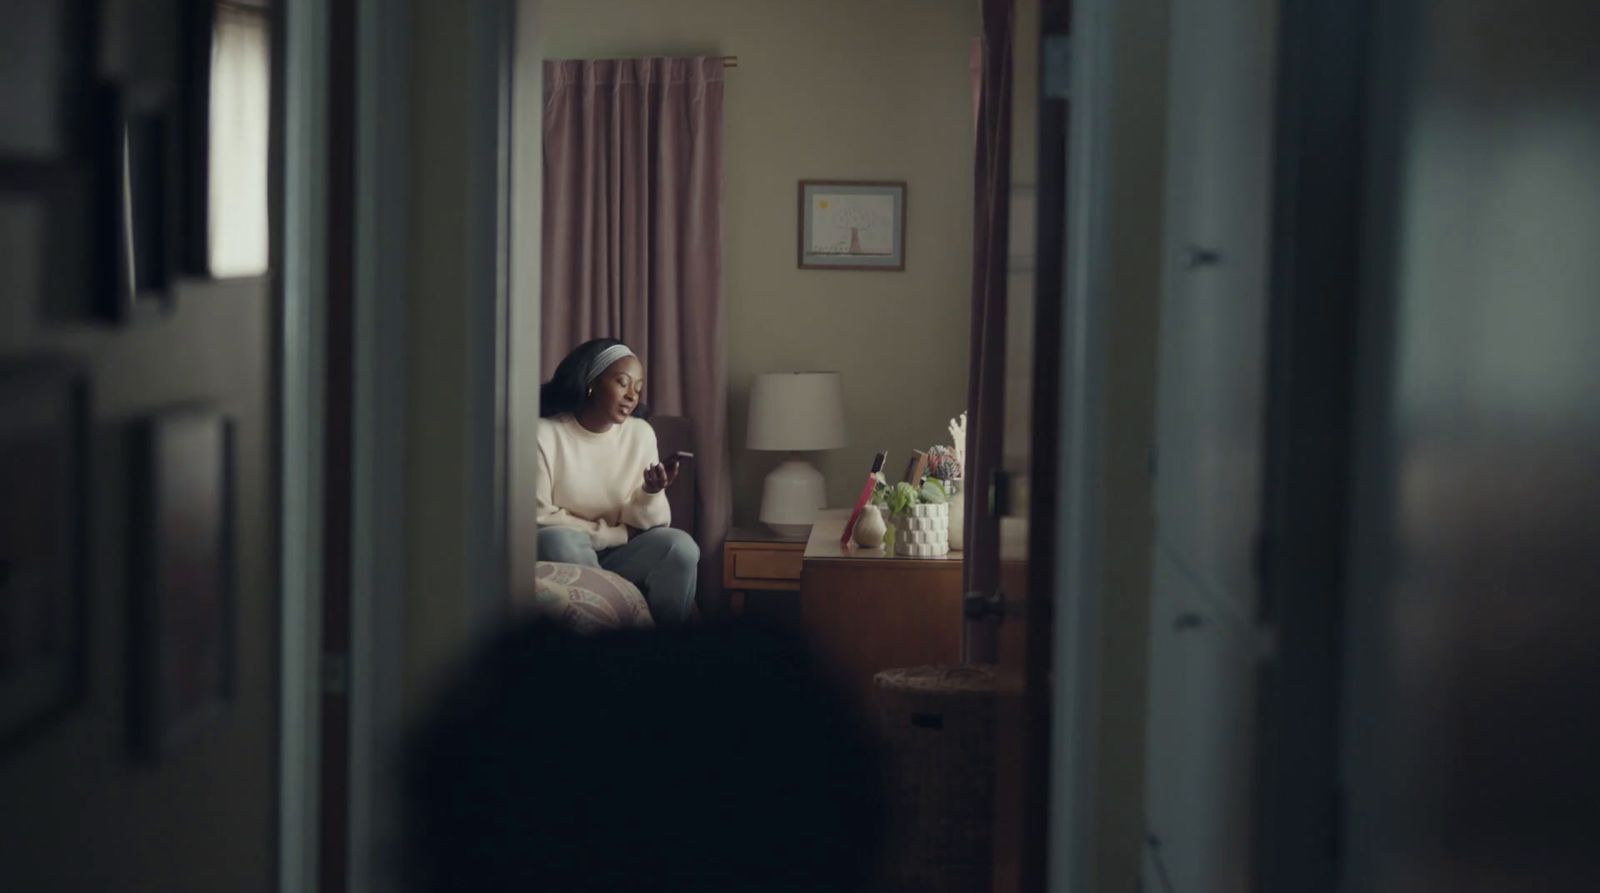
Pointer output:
796, 411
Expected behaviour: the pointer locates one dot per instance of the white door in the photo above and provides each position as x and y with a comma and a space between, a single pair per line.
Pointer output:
1207, 458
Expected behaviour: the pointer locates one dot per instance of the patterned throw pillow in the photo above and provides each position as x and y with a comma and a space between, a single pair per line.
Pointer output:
586, 599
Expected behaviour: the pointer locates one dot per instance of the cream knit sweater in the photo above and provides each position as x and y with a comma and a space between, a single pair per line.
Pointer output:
595, 482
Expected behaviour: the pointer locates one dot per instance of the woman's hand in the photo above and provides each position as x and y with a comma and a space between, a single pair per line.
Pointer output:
659, 477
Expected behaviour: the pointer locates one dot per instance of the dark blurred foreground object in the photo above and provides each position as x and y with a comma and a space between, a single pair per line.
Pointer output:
704, 759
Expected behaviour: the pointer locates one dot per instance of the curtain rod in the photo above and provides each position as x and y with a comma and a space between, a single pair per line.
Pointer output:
727, 61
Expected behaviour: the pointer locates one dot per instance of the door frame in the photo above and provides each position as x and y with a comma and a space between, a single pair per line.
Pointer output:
1082, 387
1318, 194
374, 670
508, 203
299, 109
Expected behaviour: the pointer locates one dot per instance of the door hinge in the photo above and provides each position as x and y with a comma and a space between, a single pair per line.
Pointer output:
335, 673
1000, 493
1056, 60
980, 605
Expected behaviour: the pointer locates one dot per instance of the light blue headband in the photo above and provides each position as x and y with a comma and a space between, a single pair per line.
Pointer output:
603, 360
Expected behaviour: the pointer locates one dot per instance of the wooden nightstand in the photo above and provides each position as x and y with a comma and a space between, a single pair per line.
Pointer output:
757, 560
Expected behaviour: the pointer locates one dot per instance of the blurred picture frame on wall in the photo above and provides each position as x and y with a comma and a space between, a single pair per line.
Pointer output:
43, 545
51, 203
144, 166
47, 66
182, 622
53, 155
148, 173
226, 106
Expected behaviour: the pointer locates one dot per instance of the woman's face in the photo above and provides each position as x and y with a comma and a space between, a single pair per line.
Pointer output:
616, 393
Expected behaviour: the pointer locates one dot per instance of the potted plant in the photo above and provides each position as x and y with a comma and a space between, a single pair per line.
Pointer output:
919, 517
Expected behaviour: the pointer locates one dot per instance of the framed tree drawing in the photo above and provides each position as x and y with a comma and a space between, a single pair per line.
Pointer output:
852, 225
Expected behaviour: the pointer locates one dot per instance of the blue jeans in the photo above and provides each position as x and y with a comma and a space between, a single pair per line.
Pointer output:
663, 562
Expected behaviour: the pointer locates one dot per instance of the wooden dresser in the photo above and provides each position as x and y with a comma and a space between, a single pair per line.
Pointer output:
867, 611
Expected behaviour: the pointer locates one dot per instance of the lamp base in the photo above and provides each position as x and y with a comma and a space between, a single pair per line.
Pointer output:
791, 496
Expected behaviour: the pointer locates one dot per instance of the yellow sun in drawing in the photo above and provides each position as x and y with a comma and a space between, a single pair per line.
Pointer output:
822, 203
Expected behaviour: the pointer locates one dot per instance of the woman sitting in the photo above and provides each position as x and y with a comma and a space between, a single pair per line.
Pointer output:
601, 495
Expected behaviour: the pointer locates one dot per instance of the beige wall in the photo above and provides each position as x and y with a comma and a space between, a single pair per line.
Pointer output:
827, 89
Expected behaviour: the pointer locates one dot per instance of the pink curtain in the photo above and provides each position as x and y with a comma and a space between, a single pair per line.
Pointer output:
633, 245
986, 385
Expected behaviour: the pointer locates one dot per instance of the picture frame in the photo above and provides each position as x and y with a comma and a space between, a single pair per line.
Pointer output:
182, 626
52, 155
226, 110
55, 201
46, 113
852, 225
143, 163
44, 412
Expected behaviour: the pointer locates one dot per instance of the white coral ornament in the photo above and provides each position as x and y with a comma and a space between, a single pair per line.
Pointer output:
958, 439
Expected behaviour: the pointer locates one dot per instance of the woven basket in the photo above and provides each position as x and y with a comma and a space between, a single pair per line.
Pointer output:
938, 727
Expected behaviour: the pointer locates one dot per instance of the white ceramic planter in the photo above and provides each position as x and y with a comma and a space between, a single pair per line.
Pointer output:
922, 532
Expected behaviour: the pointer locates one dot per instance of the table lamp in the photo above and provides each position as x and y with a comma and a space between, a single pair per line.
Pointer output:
795, 412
